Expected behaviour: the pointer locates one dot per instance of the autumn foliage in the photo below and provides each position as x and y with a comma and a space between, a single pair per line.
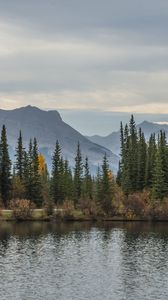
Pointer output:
21, 209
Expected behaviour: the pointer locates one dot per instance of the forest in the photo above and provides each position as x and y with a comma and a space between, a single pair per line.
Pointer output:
140, 188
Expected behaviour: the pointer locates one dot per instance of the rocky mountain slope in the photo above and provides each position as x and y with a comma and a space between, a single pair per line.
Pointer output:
47, 127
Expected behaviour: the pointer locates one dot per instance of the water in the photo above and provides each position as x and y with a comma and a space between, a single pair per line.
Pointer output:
83, 261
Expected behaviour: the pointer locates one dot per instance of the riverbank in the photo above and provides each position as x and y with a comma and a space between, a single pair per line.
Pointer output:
76, 216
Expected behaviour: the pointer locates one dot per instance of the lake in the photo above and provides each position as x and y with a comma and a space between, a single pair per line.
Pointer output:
83, 261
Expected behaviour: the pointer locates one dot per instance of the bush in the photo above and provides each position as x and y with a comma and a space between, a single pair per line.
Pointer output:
48, 205
68, 208
21, 209
160, 209
89, 207
118, 203
136, 205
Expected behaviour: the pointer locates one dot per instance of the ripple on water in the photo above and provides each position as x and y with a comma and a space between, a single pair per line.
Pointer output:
82, 261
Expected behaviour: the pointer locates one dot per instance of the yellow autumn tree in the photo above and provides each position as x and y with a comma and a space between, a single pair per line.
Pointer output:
42, 164
110, 175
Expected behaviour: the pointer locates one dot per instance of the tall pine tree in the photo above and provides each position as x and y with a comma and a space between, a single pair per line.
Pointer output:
55, 180
19, 165
78, 174
158, 188
142, 156
87, 181
5, 168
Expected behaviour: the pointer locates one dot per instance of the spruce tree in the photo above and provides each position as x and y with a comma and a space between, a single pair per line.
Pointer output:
158, 188
106, 187
87, 181
98, 186
31, 174
162, 144
19, 165
119, 174
142, 156
5, 168
28, 171
78, 174
36, 180
121, 139
55, 180
125, 165
62, 191
68, 182
133, 155
121, 162
150, 161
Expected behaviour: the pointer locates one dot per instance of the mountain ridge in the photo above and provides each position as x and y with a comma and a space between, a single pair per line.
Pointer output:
112, 140
47, 127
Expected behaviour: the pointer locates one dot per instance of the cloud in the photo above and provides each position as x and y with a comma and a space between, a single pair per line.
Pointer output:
106, 55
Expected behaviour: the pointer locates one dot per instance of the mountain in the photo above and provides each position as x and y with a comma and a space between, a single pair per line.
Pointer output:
112, 141
148, 128
47, 127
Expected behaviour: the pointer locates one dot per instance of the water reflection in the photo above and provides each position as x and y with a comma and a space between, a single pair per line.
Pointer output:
41, 260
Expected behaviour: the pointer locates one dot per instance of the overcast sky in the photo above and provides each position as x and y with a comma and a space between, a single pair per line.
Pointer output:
103, 55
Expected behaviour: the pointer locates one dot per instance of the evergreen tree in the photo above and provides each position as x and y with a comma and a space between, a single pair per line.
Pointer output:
106, 187
125, 170
19, 158
150, 161
121, 139
78, 175
121, 162
87, 181
28, 171
158, 188
31, 174
119, 174
162, 144
133, 155
5, 168
98, 186
55, 181
68, 182
36, 180
142, 156
62, 191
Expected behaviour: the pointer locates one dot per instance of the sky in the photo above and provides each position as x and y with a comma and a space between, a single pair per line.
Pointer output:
92, 56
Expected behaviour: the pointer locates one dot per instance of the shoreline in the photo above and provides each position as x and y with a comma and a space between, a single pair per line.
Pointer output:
40, 215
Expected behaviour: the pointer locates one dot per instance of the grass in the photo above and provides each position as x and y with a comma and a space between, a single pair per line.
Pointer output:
6, 214
76, 215
37, 214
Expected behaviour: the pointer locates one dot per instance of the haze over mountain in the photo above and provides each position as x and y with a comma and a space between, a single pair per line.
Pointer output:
112, 141
47, 127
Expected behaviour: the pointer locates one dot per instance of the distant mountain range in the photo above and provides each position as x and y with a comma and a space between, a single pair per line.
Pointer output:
112, 141
47, 127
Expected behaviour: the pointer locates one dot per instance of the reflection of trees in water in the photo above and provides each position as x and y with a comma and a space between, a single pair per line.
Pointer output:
144, 253
32, 234
35, 232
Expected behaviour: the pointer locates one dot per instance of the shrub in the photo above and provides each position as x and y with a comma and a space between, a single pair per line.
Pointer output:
89, 207
118, 203
160, 209
68, 208
48, 205
136, 204
21, 209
